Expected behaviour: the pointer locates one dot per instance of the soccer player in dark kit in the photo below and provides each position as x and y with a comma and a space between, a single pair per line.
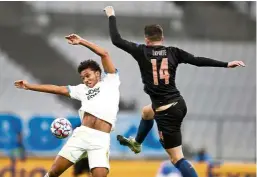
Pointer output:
158, 66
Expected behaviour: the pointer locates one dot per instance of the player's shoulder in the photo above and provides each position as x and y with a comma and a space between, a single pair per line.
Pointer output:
140, 46
81, 85
110, 77
172, 48
116, 73
77, 86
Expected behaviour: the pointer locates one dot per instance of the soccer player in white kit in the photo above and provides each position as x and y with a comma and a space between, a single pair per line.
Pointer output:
99, 106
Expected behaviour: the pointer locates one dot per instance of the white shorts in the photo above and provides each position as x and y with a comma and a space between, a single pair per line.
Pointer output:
94, 143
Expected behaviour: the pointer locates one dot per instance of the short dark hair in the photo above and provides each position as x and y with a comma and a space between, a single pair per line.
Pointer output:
153, 32
93, 65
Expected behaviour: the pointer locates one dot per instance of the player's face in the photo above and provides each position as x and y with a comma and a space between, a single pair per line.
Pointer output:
90, 77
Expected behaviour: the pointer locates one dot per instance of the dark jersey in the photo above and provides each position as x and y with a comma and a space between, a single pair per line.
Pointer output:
158, 65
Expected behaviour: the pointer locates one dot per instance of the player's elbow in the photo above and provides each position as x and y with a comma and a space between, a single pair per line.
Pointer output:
116, 40
105, 54
62, 90
116, 43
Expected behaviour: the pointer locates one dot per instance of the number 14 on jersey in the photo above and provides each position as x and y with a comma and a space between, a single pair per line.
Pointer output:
163, 72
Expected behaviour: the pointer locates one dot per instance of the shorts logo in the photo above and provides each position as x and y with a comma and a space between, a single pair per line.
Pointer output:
107, 154
160, 135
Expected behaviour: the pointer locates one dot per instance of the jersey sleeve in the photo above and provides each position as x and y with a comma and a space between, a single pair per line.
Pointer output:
118, 41
112, 78
185, 57
76, 92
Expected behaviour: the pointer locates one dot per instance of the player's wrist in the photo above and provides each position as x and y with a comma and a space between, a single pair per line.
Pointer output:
27, 86
112, 15
82, 41
228, 65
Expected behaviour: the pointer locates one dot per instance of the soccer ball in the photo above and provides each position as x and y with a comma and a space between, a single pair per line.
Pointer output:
61, 128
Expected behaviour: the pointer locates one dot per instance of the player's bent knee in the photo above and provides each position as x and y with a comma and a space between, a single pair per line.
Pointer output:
175, 154
147, 113
176, 159
99, 172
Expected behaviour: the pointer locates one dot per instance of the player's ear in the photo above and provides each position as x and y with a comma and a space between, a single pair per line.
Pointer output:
97, 73
147, 41
162, 38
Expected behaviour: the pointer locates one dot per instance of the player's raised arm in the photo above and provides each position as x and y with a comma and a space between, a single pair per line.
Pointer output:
106, 59
54, 89
185, 57
116, 38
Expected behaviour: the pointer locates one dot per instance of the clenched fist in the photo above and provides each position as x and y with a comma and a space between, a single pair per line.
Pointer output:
73, 39
109, 11
21, 84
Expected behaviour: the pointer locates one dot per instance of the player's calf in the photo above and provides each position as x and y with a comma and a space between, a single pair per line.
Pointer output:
146, 124
59, 166
183, 165
52, 174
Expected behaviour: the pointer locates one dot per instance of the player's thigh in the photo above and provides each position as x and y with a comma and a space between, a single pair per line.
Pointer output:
59, 166
81, 166
78, 168
72, 151
98, 160
147, 112
169, 124
175, 154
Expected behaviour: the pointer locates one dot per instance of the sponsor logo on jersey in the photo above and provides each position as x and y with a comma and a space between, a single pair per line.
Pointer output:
92, 93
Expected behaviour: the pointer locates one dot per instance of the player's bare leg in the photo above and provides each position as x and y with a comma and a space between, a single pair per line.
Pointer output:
59, 166
175, 154
145, 126
177, 158
99, 172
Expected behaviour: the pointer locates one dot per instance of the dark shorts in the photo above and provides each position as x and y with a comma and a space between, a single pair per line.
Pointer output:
81, 166
169, 123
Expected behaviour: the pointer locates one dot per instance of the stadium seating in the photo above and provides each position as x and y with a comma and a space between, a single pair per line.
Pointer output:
94, 8
22, 102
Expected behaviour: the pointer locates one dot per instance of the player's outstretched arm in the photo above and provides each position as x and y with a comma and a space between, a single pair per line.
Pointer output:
185, 57
106, 59
116, 38
54, 89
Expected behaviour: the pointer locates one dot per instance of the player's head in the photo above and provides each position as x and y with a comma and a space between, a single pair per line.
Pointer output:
90, 72
153, 34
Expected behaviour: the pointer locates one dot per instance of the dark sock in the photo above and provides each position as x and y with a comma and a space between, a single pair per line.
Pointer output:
144, 127
185, 168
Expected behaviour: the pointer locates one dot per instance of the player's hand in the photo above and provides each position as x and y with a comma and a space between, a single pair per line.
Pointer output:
234, 64
73, 39
21, 84
109, 11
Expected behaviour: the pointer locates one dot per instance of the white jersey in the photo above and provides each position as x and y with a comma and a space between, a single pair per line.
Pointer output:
102, 100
